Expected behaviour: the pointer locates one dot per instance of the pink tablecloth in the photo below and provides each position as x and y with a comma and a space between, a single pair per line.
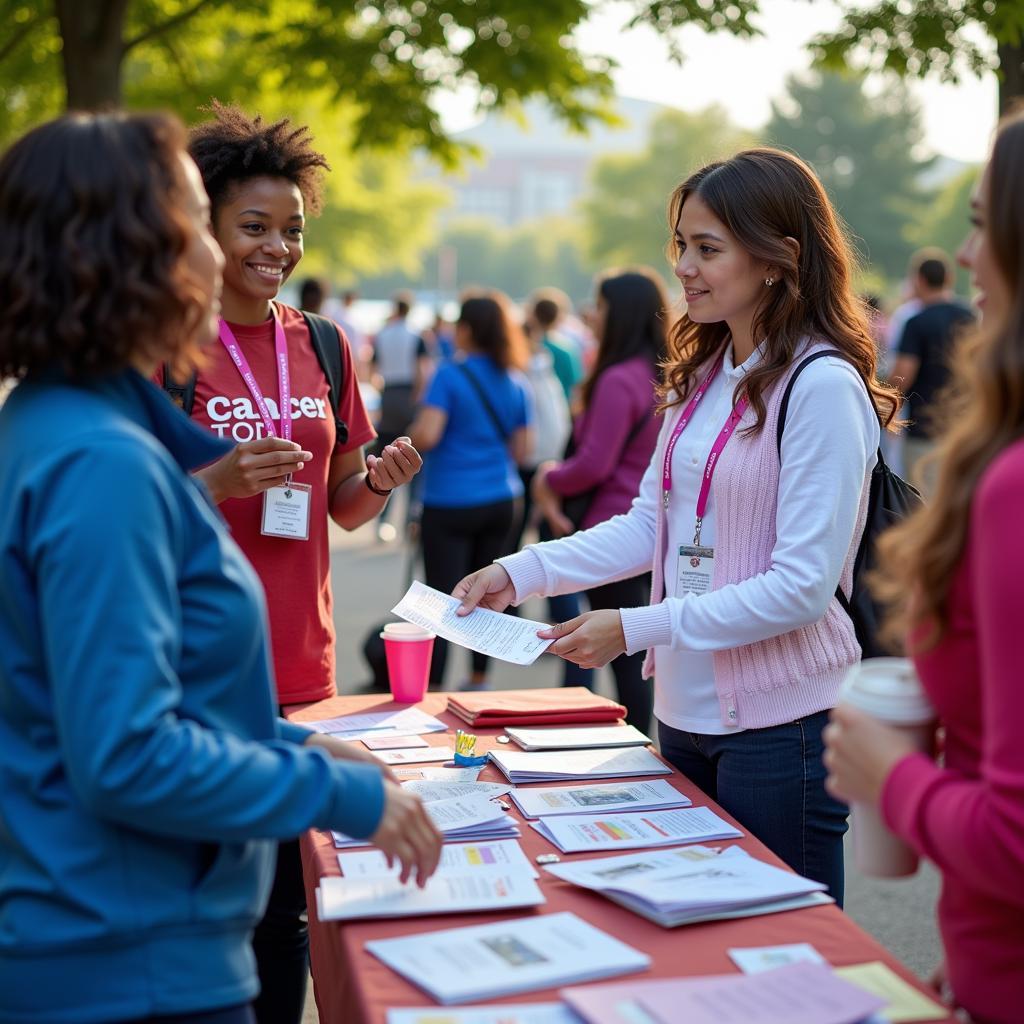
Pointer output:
353, 987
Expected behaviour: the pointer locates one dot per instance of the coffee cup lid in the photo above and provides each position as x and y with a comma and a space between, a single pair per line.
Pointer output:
887, 689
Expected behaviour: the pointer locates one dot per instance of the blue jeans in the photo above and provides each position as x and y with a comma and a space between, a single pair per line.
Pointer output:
772, 781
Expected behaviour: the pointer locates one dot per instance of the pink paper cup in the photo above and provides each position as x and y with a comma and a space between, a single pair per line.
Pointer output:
408, 649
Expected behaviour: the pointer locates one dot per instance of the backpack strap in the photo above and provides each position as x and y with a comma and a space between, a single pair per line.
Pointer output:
843, 600
492, 413
182, 393
327, 346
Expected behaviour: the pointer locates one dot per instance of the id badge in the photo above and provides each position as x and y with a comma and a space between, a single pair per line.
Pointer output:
286, 511
695, 568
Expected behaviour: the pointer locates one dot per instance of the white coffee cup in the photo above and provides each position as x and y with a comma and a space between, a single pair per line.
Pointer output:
405, 631
887, 689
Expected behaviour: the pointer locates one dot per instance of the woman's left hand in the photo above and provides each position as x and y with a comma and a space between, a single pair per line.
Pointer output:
397, 465
590, 640
342, 750
860, 752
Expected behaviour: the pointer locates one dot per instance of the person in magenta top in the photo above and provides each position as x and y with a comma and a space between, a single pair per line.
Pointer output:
612, 444
955, 577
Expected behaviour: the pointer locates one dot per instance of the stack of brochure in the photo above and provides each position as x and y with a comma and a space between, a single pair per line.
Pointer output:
429, 791
497, 1013
504, 958
459, 819
579, 833
565, 765
402, 721
446, 892
578, 737
456, 859
675, 887
658, 795
798, 994
566, 705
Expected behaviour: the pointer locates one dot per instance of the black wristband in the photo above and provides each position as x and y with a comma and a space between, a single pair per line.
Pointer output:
376, 490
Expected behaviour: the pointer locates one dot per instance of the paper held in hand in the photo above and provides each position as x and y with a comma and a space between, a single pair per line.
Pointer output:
492, 633
504, 958
579, 833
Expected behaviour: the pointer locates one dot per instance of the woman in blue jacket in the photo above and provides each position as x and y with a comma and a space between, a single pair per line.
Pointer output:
143, 773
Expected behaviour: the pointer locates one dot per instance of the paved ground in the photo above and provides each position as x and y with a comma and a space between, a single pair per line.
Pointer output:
368, 579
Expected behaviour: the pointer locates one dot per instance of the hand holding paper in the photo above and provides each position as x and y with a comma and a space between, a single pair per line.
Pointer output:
487, 632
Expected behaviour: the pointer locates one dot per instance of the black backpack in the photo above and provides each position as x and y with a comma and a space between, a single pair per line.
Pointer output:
890, 499
325, 338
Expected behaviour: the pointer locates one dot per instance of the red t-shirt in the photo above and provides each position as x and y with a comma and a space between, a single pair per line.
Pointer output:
295, 573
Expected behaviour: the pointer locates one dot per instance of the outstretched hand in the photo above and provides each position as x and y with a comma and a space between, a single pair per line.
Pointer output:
490, 587
590, 640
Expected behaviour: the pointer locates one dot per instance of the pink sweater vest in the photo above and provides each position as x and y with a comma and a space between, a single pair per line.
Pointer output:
794, 674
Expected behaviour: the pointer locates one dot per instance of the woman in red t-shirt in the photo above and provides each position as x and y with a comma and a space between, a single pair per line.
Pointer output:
277, 493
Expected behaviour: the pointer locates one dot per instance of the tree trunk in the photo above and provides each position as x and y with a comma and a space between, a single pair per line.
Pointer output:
1011, 74
92, 51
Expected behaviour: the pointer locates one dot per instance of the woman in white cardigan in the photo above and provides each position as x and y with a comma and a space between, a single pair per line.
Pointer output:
747, 542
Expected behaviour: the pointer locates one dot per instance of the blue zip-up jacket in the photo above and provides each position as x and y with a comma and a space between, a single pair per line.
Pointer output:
143, 772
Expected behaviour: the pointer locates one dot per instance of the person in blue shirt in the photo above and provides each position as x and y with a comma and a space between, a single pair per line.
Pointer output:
475, 423
144, 776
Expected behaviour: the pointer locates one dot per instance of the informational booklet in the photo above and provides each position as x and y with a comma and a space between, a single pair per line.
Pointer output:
797, 994
679, 890
427, 755
505, 1013
605, 797
579, 833
566, 765
428, 790
581, 737
459, 819
456, 858
505, 958
754, 959
352, 899
496, 634
903, 1002
435, 773
399, 722
394, 742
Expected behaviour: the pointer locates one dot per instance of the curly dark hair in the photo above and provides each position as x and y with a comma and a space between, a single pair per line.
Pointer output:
233, 148
91, 244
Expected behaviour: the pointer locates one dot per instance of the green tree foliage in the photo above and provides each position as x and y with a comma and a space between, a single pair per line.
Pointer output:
625, 208
920, 37
864, 149
945, 221
386, 58
536, 254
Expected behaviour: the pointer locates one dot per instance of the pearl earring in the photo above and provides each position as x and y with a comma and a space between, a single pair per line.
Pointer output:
769, 281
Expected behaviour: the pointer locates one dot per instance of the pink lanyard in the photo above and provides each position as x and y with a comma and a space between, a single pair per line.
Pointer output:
230, 342
716, 449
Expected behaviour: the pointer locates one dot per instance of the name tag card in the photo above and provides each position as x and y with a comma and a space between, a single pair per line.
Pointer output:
286, 511
695, 568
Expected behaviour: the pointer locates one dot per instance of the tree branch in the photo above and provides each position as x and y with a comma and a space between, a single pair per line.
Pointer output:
166, 26
15, 41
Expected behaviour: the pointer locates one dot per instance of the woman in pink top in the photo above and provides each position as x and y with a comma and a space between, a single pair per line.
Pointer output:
613, 440
955, 576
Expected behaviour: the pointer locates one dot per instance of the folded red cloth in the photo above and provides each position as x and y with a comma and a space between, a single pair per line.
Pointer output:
563, 706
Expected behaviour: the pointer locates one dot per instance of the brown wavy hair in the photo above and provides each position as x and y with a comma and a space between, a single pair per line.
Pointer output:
493, 329
91, 244
764, 197
983, 414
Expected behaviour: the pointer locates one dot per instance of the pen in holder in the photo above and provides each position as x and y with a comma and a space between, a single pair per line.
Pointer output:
465, 750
